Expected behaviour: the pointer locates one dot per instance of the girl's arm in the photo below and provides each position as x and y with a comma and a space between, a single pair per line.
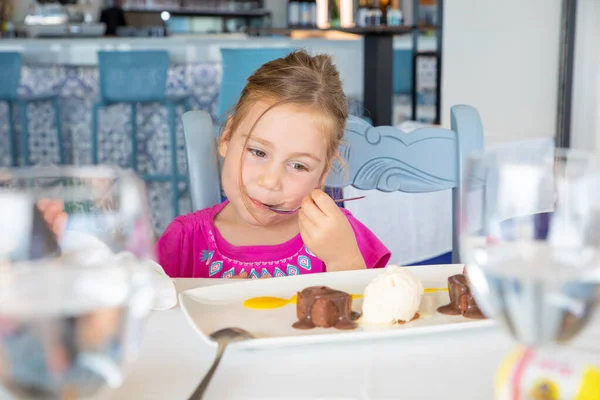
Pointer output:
373, 251
54, 214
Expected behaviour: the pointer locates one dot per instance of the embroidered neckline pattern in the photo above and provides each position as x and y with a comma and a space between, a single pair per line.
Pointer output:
286, 260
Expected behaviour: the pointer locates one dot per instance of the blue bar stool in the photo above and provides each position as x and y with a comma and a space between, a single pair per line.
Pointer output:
238, 64
139, 77
403, 72
10, 65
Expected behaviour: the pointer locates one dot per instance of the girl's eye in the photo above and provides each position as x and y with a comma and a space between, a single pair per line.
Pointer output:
299, 167
257, 153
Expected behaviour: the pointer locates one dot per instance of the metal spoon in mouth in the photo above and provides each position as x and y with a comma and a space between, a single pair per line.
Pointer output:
292, 211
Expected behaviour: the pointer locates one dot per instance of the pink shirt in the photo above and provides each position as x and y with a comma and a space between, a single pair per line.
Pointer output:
192, 247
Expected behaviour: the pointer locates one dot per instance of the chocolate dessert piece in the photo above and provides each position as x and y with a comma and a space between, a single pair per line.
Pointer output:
461, 299
324, 307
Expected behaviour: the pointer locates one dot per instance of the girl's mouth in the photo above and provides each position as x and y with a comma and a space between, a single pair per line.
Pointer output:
264, 205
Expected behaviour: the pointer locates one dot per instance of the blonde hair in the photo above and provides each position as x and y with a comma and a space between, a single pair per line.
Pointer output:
299, 79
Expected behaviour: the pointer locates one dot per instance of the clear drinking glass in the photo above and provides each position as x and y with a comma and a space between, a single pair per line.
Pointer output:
530, 239
73, 300
530, 236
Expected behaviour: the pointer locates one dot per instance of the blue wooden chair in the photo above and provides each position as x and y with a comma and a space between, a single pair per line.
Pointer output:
383, 158
139, 77
10, 65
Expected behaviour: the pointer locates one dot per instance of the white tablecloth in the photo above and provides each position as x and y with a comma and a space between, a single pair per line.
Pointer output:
417, 227
174, 359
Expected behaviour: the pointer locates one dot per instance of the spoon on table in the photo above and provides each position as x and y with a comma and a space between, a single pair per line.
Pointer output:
223, 337
293, 210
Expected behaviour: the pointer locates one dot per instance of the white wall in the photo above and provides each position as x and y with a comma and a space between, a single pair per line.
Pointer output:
502, 58
585, 117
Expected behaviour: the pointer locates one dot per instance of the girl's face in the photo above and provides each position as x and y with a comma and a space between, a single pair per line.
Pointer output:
282, 162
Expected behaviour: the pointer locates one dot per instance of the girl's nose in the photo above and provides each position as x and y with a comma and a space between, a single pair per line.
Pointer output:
270, 178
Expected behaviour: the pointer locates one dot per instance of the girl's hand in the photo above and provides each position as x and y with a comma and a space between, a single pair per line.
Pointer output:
328, 234
54, 214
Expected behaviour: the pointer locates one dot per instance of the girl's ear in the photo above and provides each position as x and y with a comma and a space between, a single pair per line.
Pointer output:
225, 138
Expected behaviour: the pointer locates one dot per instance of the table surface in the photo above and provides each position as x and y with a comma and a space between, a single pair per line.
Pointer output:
173, 359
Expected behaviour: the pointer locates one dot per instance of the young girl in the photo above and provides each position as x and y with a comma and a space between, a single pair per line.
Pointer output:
278, 146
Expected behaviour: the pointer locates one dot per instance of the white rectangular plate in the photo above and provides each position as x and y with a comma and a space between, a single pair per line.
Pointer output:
212, 308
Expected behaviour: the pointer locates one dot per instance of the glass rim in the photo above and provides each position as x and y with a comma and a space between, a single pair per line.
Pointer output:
557, 151
64, 171
13, 273
551, 156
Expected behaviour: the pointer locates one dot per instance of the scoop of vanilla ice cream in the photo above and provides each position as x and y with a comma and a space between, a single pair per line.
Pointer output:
391, 297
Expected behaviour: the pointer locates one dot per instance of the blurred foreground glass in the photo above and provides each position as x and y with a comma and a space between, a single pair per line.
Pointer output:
73, 301
530, 236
